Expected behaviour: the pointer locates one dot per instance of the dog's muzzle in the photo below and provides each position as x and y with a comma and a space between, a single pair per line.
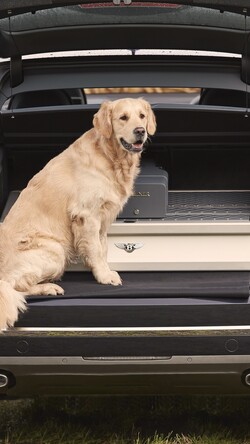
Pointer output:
137, 146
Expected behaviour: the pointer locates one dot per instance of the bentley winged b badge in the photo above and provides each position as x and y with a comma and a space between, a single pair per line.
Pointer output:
129, 247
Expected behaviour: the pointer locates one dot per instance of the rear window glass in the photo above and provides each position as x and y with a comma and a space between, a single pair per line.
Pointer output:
153, 95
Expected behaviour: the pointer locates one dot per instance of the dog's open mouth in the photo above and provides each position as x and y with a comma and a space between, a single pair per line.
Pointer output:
136, 147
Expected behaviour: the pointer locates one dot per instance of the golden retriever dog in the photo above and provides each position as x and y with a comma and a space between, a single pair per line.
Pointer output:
66, 209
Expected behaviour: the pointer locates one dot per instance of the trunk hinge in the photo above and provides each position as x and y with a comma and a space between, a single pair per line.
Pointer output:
16, 70
245, 65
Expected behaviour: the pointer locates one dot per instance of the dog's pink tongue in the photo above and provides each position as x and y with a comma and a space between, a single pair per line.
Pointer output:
138, 146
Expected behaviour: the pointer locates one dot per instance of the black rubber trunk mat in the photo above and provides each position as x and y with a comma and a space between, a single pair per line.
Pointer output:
208, 206
201, 284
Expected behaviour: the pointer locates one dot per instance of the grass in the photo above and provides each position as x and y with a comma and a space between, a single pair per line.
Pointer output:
121, 420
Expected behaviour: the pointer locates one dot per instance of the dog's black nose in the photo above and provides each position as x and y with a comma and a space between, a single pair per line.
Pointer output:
139, 131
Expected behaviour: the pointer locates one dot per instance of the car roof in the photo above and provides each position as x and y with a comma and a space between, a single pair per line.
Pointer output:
239, 6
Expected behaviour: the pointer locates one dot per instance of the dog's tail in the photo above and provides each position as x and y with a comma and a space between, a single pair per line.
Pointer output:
11, 303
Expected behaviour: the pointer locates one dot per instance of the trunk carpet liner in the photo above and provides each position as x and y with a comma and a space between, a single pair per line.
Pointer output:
202, 284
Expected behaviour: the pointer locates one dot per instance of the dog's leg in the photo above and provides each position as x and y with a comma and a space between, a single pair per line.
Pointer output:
86, 231
44, 289
34, 269
104, 244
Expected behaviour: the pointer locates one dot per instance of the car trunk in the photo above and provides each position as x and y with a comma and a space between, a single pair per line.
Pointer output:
180, 321
191, 266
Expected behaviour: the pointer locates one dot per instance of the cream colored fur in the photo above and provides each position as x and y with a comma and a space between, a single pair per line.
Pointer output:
67, 208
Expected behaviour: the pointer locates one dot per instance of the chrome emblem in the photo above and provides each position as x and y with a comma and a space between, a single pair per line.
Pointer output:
129, 247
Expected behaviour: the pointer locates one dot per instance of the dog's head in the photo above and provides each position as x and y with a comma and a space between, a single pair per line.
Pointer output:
129, 121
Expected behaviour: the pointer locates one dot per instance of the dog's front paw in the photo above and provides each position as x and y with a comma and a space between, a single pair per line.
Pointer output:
51, 289
112, 277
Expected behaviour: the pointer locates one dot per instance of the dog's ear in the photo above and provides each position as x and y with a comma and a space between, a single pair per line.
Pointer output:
151, 124
151, 121
102, 120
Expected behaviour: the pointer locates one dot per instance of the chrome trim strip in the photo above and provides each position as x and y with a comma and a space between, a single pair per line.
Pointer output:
126, 358
135, 329
231, 330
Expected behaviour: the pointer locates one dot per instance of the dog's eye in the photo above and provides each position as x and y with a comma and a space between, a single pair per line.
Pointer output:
124, 117
142, 116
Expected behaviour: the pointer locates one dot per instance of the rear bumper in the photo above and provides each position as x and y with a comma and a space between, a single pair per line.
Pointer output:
125, 361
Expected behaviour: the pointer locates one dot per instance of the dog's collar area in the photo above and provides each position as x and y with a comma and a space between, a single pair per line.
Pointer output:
136, 147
